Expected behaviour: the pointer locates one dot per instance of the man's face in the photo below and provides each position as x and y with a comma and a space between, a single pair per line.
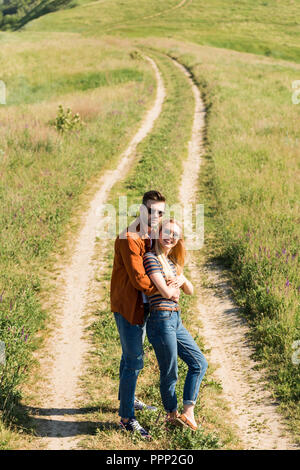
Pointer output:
152, 213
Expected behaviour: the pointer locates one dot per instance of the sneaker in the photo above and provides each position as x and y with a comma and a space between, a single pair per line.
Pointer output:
139, 405
134, 426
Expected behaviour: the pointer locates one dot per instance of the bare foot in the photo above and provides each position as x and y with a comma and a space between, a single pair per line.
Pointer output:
191, 418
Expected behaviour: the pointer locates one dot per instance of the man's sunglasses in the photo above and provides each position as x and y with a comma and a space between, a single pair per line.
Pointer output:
155, 211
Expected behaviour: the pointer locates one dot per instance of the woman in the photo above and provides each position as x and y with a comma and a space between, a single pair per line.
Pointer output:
165, 331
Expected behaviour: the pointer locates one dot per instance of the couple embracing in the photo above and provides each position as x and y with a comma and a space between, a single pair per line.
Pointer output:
146, 282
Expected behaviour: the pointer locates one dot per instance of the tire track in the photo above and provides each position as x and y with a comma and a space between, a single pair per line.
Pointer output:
181, 4
155, 15
224, 331
55, 422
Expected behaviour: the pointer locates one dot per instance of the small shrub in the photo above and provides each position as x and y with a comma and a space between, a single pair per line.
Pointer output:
66, 121
135, 55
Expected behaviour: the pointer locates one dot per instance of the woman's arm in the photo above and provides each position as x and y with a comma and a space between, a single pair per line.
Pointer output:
166, 291
182, 282
187, 286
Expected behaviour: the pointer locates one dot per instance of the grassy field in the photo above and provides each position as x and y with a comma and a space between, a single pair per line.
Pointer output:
261, 27
244, 60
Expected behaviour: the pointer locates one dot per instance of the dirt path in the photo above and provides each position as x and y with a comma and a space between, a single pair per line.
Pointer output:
56, 424
224, 331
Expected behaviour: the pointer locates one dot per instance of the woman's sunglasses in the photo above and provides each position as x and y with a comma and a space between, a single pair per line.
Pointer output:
166, 233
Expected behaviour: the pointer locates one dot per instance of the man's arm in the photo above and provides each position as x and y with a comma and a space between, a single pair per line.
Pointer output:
133, 261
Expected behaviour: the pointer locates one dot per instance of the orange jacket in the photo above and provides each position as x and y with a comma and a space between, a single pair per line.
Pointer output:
129, 278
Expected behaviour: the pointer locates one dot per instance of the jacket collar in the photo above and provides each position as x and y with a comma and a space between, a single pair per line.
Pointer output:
134, 230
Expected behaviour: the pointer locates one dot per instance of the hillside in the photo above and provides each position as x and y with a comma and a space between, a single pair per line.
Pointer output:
80, 84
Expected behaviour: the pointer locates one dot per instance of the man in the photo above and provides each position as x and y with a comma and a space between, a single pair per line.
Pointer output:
130, 287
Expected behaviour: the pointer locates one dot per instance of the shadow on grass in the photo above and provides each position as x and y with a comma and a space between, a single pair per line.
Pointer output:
40, 422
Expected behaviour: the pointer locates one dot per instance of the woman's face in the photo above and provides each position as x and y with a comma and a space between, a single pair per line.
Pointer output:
169, 235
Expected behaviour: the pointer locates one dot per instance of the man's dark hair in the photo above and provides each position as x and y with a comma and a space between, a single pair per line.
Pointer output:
153, 196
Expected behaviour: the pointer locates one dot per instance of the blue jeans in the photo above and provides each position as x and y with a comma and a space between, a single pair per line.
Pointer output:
170, 339
132, 361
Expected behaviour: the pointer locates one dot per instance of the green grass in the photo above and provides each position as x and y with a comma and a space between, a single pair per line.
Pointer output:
260, 27
41, 69
21, 91
98, 17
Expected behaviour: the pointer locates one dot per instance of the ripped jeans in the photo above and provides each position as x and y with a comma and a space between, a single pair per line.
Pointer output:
170, 339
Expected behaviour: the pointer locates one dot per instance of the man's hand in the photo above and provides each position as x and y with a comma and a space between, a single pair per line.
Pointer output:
177, 281
172, 282
176, 290
175, 298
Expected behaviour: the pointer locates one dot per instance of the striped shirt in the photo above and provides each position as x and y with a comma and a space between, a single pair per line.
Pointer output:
152, 265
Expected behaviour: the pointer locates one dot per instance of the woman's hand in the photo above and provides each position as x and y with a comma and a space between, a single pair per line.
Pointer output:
177, 281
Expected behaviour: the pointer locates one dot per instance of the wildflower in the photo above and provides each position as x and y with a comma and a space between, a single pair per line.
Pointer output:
287, 283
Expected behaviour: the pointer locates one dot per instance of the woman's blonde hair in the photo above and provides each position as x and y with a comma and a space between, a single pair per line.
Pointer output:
176, 254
